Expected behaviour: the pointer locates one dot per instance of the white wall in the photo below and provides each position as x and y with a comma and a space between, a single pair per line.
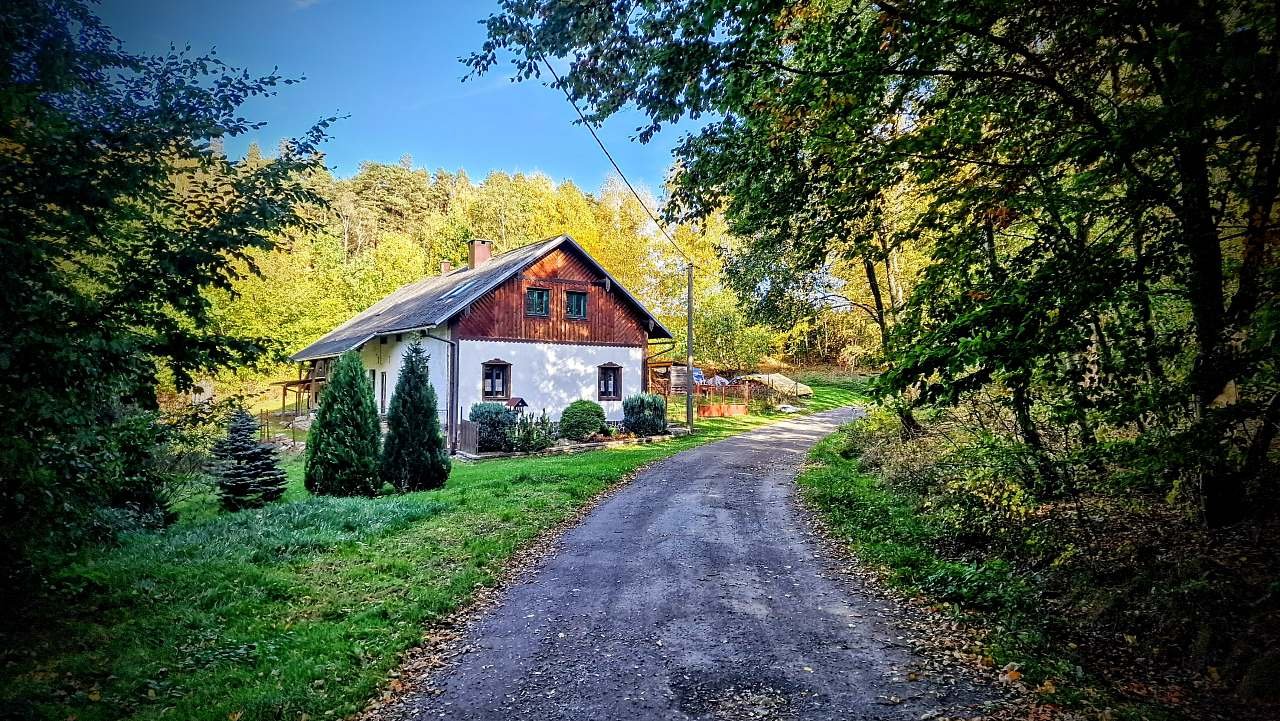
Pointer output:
387, 357
548, 376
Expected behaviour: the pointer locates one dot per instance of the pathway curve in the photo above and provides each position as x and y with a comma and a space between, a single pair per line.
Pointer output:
695, 592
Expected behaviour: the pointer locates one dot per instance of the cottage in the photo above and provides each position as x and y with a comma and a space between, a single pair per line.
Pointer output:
539, 326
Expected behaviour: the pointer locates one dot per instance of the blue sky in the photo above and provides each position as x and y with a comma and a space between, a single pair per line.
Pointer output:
392, 66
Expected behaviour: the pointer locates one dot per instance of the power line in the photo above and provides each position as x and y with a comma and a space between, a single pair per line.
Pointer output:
613, 162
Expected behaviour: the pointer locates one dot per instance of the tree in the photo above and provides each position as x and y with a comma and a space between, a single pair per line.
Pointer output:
249, 474
415, 456
120, 214
342, 445
1097, 184
724, 338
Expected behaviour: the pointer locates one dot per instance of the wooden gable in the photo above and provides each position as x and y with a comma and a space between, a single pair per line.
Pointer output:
500, 314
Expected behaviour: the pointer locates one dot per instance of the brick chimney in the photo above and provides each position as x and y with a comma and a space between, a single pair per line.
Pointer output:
446, 267
480, 250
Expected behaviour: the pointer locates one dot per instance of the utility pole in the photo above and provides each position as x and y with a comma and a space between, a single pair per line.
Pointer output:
688, 350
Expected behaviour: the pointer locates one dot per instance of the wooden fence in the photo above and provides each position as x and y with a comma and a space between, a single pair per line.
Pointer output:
468, 437
718, 401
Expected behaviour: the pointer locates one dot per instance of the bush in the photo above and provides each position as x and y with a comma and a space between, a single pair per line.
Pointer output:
495, 422
249, 475
532, 434
645, 414
414, 456
581, 420
342, 447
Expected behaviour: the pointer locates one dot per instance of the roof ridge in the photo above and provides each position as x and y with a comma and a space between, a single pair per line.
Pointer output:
432, 299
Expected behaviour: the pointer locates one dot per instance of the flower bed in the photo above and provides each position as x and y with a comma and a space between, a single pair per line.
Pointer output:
675, 432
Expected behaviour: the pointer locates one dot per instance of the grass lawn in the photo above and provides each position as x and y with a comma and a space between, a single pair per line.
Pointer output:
300, 609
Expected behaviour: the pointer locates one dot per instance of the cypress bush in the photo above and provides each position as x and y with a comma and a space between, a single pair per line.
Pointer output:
414, 455
581, 420
249, 474
494, 424
342, 447
645, 414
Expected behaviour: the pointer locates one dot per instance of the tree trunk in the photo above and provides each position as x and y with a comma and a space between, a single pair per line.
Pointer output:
1205, 271
1222, 489
1019, 384
910, 426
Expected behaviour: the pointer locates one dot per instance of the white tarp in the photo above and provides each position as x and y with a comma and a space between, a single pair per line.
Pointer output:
779, 383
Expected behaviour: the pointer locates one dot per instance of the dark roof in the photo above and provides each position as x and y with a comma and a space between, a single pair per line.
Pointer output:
432, 301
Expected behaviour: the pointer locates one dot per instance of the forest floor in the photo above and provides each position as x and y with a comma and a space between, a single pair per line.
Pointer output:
1147, 616
300, 609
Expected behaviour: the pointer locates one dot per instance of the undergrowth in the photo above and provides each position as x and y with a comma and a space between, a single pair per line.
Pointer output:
1125, 604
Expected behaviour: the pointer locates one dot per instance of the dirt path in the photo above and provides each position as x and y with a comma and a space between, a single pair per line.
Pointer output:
695, 592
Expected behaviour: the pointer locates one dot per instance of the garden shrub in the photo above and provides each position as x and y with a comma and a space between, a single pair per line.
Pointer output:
533, 433
342, 446
645, 414
581, 420
415, 456
494, 422
249, 474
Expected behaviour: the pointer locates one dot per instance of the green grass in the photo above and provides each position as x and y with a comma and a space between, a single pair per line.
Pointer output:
892, 530
301, 608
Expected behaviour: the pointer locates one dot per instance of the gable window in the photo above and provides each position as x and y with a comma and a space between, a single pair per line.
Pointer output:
537, 301
575, 304
497, 380
609, 382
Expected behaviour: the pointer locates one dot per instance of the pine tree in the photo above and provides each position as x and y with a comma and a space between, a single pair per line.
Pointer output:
248, 472
342, 447
414, 457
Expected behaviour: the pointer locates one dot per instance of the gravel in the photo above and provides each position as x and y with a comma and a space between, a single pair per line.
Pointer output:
698, 591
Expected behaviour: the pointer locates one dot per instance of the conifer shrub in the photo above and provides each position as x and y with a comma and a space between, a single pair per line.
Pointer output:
645, 414
494, 424
415, 456
342, 447
581, 420
533, 433
248, 473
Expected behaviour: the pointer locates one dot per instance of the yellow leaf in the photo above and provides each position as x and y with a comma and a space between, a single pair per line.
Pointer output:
95, 695
1047, 687
235, 715
1213, 674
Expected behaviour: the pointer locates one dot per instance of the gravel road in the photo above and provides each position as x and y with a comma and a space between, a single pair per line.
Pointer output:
696, 592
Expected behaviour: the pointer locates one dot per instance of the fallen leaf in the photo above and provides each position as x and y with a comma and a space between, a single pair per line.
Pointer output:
95, 695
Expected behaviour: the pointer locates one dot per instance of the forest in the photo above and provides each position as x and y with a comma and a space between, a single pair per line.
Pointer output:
1036, 242
389, 225
1061, 220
